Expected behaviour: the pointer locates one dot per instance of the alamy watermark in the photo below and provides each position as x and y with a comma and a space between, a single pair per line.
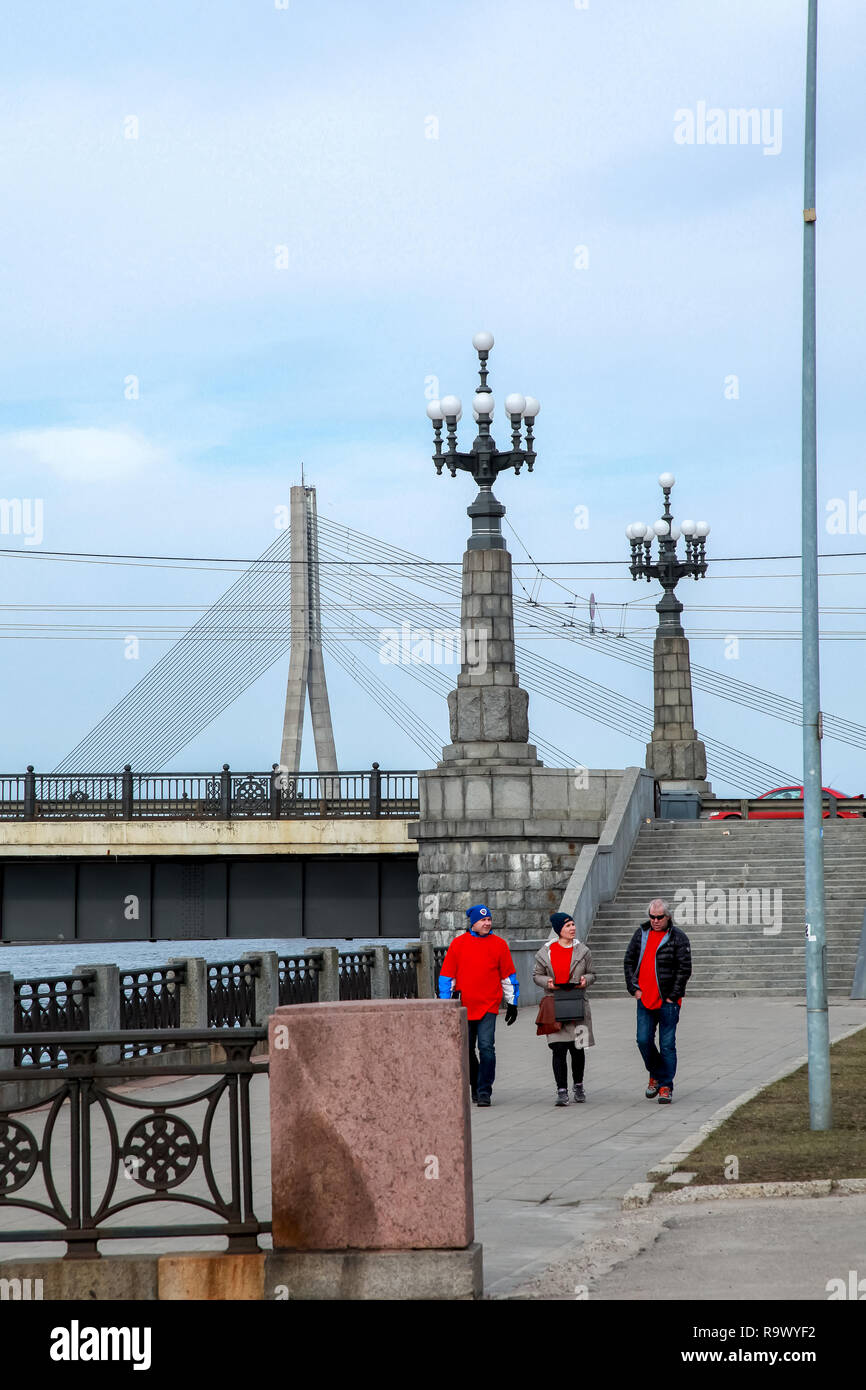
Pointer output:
854, 1288
22, 516
712, 125
24, 1290
438, 646
743, 907
846, 516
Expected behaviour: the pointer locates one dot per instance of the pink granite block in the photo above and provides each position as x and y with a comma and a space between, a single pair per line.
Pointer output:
370, 1134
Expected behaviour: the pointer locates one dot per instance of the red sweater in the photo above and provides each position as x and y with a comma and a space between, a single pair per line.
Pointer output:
479, 968
647, 982
560, 961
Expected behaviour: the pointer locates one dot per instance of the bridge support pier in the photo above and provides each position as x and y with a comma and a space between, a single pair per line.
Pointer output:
496, 826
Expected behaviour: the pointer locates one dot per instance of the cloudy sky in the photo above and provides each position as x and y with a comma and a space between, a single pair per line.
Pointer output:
238, 235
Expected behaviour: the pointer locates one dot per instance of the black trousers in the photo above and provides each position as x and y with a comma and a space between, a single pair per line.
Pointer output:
559, 1052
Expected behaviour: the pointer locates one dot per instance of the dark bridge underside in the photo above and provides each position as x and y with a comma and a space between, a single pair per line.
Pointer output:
145, 899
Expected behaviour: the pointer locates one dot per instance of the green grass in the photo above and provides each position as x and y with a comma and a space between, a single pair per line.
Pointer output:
770, 1135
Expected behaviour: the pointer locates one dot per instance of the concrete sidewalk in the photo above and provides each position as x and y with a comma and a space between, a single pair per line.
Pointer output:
548, 1179
772, 1250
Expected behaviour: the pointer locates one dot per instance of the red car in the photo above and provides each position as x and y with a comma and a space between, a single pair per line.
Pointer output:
776, 809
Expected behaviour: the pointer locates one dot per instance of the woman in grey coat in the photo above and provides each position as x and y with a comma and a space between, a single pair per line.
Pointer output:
563, 959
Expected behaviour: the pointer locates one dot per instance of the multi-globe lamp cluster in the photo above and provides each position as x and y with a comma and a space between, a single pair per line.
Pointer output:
484, 461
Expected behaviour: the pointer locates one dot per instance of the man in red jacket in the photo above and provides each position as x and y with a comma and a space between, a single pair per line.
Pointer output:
479, 967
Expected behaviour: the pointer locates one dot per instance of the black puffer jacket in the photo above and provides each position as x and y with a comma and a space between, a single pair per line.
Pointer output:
673, 961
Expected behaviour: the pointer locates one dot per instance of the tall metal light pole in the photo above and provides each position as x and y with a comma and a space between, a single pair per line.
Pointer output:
817, 1017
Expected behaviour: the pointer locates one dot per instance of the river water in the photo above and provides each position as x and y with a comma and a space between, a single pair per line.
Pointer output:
60, 958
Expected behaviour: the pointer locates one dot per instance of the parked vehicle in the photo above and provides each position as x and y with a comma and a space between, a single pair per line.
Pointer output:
777, 810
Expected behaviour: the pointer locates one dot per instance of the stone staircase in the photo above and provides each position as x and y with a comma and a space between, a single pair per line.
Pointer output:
740, 886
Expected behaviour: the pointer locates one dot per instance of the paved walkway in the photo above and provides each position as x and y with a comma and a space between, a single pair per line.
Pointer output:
772, 1250
548, 1179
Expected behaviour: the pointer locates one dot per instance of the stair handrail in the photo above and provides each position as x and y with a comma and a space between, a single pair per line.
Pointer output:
599, 869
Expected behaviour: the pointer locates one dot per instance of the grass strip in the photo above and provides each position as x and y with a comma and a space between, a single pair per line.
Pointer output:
769, 1136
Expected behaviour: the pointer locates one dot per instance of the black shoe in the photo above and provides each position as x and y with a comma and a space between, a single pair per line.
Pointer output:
562, 1097
483, 1100
474, 1097
579, 1097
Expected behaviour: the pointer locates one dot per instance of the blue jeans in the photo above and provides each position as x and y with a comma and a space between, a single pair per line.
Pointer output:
661, 1061
481, 1073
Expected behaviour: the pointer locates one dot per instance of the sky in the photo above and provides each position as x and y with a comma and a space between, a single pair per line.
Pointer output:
239, 236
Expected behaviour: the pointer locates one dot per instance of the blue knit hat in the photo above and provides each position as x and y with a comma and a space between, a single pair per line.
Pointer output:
474, 913
559, 919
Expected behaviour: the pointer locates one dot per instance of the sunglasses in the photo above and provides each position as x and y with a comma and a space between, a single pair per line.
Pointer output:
658, 916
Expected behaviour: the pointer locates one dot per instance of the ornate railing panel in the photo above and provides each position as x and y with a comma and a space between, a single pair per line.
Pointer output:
403, 972
51, 1004
93, 1151
399, 794
356, 974
12, 788
231, 993
97, 797
299, 979
150, 999
187, 796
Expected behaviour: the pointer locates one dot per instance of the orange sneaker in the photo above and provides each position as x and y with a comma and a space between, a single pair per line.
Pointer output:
652, 1089
665, 1095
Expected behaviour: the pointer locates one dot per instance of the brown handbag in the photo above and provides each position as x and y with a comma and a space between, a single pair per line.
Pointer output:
545, 1019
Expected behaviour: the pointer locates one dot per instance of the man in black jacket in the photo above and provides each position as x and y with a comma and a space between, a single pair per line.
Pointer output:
657, 964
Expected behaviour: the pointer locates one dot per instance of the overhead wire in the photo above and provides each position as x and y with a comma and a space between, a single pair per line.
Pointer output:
600, 697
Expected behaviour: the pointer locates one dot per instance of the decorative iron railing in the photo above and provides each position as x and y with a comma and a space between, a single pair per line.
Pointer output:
50, 1004
356, 974
231, 993
150, 999
299, 979
403, 972
223, 795
93, 1150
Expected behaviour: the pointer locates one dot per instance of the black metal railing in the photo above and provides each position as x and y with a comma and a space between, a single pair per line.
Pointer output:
231, 993
223, 795
90, 1152
356, 974
299, 979
50, 1004
150, 999
439, 953
403, 972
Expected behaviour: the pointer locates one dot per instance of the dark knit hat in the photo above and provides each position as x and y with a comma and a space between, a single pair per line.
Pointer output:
474, 913
559, 919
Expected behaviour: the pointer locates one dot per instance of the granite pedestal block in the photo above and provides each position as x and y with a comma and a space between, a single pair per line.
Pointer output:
377, 1275
370, 1134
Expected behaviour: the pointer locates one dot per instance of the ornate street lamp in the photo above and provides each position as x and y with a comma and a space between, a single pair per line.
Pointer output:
484, 461
668, 569
675, 754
